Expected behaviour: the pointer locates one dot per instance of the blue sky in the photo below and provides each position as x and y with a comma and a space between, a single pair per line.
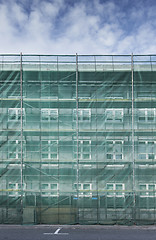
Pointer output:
80, 26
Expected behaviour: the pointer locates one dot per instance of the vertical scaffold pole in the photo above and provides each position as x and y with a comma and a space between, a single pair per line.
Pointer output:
133, 156
77, 138
21, 93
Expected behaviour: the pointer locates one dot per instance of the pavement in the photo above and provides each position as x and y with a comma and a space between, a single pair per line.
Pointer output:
77, 232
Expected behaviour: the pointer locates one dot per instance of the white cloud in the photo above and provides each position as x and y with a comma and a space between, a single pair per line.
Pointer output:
86, 27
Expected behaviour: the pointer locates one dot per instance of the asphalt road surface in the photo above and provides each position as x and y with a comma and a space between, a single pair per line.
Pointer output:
77, 232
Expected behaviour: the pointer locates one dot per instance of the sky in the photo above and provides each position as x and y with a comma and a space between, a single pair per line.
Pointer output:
78, 26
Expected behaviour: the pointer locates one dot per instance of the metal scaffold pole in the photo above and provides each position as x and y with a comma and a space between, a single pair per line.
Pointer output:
21, 93
133, 155
77, 138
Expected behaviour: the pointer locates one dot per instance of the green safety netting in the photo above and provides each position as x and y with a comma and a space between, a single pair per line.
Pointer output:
77, 139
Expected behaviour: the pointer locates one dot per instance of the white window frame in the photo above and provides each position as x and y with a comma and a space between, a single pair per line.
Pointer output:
115, 97
113, 111
81, 114
145, 152
112, 193
83, 192
146, 115
147, 190
17, 114
50, 191
81, 152
15, 191
17, 149
114, 154
49, 151
48, 113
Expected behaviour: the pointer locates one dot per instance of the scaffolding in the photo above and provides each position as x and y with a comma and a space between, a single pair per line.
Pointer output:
78, 139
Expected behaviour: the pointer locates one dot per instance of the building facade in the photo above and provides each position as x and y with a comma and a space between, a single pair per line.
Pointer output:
78, 139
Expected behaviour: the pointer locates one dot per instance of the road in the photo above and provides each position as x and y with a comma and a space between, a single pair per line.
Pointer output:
77, 232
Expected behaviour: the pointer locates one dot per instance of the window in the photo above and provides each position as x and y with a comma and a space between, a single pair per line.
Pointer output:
49, 149
14, 114
147, 190
146, 150
84, 115
48, 115
114, 115
114, 150
49, 189
115, 189
84, 189
15, 189
114, 94
84, 149
146, 115
14, 149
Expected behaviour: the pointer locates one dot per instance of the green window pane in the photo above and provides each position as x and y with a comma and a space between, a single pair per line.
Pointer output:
109, 156
109, 116
118, 156
150, 147
45, 186
119, 187
86, 156
143, 187
142, 119
118, 116
142, 156
151, 156
86, 186
143, 190
54, 156
54, 186
110, 188
12, 185
151, 189
45, 155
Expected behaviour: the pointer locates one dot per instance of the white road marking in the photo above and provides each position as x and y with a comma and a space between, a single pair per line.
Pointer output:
48, 233
56, 232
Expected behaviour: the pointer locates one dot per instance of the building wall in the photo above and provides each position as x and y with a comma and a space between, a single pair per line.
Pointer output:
77, 142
